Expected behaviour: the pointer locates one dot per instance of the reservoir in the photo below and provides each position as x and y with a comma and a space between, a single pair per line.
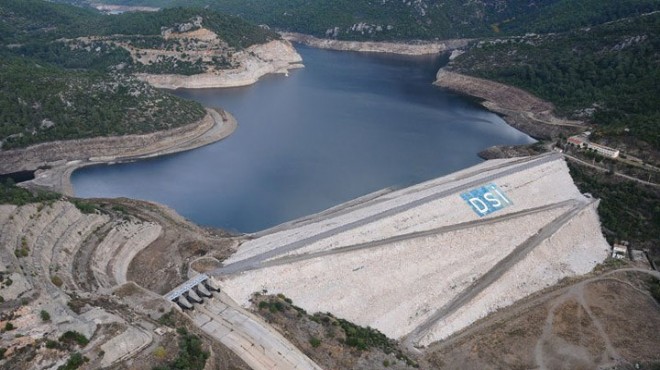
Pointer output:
346, 125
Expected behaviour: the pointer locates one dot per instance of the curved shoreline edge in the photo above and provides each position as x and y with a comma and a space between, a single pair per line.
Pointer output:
54, 162
274, 57
401, 48
520, 109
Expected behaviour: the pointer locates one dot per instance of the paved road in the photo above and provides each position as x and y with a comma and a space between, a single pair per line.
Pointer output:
254, 341
494, 273
379, 197
254, 262
352, 205
419, 234
605, 170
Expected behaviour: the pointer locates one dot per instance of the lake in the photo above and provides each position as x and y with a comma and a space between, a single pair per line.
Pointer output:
346, 125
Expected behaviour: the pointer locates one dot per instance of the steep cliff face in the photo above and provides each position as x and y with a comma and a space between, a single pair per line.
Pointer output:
277, 56
408, 48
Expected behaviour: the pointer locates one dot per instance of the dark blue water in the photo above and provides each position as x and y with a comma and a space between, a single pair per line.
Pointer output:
346, 125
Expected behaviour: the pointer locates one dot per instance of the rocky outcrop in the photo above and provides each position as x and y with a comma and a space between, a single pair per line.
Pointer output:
108, 8
511, 151
407, 48
277, 56
519, 108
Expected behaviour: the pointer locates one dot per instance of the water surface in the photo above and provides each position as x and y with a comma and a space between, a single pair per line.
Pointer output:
346, 125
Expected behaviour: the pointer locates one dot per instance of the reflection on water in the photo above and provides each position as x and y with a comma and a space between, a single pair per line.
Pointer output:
346, 125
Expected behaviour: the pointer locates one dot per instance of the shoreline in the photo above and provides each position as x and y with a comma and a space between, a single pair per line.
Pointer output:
274, 57
53, 162
401, 48
215, 126
518, 108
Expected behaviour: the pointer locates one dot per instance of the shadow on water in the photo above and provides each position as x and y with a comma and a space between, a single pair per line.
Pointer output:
17, 177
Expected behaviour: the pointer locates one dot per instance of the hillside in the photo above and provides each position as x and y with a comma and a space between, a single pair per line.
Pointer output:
43, 103
68, 72
605, 74
607, 77
417, 19
27, 20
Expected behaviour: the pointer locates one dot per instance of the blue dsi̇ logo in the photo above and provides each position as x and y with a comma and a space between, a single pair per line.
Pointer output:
486, 199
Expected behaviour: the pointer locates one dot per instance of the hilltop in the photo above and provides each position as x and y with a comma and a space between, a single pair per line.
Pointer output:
417, 19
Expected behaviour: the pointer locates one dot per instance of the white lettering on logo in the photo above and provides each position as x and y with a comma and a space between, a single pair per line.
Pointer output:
492, 199
481, 207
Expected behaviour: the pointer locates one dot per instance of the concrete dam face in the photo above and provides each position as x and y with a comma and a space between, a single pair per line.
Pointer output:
423, 262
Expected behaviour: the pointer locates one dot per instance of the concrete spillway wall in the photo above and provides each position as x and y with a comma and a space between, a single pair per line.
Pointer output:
423, 262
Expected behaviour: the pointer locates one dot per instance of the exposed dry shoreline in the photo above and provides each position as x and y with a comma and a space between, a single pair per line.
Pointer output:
277, 56
517, 107
59, 159
55, 161
520, 109
407, 48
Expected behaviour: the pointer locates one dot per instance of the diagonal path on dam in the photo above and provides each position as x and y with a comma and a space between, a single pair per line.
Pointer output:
254, 261
421, 263
496, 272
419, 234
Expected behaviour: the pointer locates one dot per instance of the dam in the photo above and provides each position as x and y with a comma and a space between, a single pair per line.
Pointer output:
424, 262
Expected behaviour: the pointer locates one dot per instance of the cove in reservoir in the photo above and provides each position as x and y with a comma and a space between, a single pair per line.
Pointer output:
346, 125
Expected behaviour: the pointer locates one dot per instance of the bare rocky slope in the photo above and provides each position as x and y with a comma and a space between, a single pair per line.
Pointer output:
405, 48
277, 56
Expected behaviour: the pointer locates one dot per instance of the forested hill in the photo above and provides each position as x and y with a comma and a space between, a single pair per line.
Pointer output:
606, 74
23, 21
419, 19
66, 72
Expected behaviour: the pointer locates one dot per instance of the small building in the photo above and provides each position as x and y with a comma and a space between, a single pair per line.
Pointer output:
619, 251
581, 141
603, 150
577, 140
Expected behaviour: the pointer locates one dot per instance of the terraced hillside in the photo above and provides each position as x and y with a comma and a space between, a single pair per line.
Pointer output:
65, 283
